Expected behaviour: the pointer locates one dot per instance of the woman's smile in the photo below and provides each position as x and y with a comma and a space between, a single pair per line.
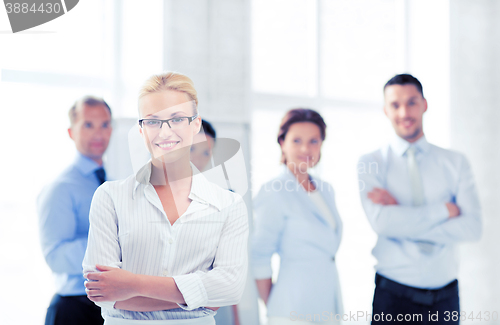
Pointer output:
167, 145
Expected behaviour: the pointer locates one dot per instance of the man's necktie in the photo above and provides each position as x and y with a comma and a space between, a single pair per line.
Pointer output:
417, 191
415, 179
101, 175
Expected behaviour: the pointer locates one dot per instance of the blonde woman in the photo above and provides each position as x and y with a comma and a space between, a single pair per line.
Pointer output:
165, 245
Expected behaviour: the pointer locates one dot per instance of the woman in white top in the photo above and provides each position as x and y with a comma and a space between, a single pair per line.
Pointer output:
296, 217
165, 245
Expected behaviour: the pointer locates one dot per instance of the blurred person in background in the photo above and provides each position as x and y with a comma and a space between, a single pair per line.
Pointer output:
201, 154
203, 145
296, 217
421, 200
63, 210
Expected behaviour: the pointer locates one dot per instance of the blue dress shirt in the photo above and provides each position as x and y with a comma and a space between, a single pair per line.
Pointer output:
287, 222
417, 245
63, 211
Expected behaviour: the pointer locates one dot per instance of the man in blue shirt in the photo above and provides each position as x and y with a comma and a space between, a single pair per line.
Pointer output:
421, 200
63, 210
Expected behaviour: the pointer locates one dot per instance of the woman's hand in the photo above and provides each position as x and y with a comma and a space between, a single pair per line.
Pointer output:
264, 287
111, 284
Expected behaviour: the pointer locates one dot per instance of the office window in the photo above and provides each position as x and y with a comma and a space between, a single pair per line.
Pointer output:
284, 47
107, 50
361, 47
333, 56
141, 49
71, 44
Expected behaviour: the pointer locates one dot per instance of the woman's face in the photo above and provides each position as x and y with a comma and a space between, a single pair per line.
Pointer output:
168, 144
302, 146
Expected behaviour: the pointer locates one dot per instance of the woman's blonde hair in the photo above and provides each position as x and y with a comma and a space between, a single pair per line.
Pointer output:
170, 81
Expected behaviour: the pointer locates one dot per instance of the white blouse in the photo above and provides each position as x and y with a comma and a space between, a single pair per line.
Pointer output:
204, 251
320, 203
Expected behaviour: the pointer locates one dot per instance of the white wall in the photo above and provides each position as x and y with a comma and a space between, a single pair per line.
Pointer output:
474, 116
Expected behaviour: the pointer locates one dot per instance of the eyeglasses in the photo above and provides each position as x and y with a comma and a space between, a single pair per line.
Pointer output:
173, 123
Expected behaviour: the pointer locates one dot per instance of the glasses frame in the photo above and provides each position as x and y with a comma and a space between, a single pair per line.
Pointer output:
190, 119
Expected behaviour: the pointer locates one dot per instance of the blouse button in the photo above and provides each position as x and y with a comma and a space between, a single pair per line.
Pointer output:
170, 241
165, 273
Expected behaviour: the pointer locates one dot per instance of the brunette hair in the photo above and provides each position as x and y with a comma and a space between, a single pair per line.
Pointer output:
208, 129
298, 115
405, 79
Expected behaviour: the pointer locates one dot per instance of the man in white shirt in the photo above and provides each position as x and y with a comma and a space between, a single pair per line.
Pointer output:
421, 201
